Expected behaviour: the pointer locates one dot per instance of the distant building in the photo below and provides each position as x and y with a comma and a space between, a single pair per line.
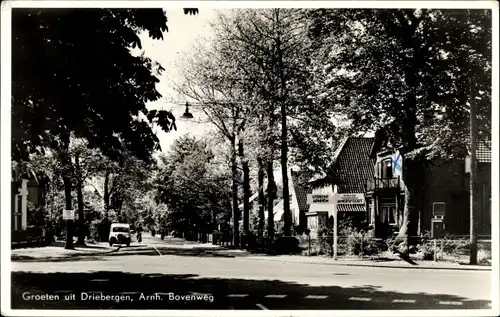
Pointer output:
444, 192
25, 187
353, 167
368, 171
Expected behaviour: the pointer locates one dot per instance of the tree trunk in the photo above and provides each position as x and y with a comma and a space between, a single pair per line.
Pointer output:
412, 177
287, 226
473, 180
65, 160
79, 193
246, 189
236, 211
106, 193
261, 197
271, 195
412, 167
69, 223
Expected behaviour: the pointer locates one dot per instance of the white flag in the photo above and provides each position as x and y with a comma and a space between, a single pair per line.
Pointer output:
397, 164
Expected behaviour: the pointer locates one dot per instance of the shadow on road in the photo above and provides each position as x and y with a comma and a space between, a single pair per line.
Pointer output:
248, 293
127, 251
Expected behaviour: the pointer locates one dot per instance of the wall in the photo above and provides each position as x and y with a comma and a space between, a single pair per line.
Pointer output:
484, 193
446, 182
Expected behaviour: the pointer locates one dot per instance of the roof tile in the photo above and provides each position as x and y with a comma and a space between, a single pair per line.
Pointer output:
354, 166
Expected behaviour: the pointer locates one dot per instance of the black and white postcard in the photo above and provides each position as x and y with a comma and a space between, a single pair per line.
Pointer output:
249, 157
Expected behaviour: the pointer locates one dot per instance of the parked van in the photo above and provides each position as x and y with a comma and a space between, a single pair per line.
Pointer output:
119, 233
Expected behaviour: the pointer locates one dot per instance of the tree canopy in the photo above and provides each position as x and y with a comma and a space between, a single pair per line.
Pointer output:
411, 74
73, 71
407, 70
193, 185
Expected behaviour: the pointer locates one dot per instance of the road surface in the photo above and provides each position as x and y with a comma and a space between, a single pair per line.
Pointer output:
148, 277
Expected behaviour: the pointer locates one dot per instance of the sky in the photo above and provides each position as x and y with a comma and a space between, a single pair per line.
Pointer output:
183, 32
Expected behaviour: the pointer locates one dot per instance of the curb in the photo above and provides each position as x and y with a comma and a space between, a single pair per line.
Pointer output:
415, 267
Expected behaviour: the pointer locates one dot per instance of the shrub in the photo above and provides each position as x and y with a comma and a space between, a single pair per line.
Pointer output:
286, 245
483, 256
425, 251
99, 229
300, 229
371, 245
456, 247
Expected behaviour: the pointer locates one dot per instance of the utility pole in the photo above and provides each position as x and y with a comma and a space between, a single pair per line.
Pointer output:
473, 177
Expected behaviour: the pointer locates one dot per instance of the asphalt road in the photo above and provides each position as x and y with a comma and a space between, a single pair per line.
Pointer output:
183, 279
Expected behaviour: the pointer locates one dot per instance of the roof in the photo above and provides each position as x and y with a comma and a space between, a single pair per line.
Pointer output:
353, 168
120, 225
301, 191
483, 152
354, 165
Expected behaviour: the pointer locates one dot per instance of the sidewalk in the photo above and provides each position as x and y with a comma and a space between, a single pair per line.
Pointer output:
58, 251
371, 263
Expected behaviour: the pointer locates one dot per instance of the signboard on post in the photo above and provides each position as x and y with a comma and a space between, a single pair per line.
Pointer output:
336, 198
68, 215
319, 199
351, 199
326, 200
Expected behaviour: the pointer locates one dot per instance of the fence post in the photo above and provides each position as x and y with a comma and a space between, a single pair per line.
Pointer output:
309, 241
442, 250
435, 251
362, 242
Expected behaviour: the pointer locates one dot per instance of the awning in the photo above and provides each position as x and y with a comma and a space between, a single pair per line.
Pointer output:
351, 208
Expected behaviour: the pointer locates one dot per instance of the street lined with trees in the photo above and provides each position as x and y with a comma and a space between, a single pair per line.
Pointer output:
277, 84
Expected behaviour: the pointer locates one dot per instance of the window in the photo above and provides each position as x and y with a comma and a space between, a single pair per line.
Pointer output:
312, 222
370, 211
438, 209
389, 215
387, 168
384, 168
388, 210
120, 229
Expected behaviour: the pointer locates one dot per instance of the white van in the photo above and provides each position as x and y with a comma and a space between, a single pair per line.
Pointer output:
119, 233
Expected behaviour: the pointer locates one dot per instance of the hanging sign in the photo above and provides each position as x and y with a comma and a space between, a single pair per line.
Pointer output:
351, 199
68, 215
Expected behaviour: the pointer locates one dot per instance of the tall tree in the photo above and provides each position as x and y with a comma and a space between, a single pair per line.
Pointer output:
213, 78
405, 71
95, 72
273, 43
193, 185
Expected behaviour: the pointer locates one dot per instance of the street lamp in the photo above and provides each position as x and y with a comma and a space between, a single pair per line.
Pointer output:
187, 114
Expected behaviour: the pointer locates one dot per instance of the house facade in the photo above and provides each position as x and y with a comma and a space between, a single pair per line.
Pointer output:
25, 188
352, 167
278, 208
370, 171
443, 197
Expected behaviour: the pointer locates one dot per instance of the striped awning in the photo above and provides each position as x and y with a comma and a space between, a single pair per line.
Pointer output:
351, 208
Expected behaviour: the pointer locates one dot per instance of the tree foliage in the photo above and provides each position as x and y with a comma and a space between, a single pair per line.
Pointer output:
407, 73
89, 82
406, 69
193, 185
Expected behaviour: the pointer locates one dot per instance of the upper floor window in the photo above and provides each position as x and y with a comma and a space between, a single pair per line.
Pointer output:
385, 168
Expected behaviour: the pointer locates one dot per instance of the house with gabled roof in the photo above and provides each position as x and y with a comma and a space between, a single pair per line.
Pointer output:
26, 188
370, 170
352, 168
444, 193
